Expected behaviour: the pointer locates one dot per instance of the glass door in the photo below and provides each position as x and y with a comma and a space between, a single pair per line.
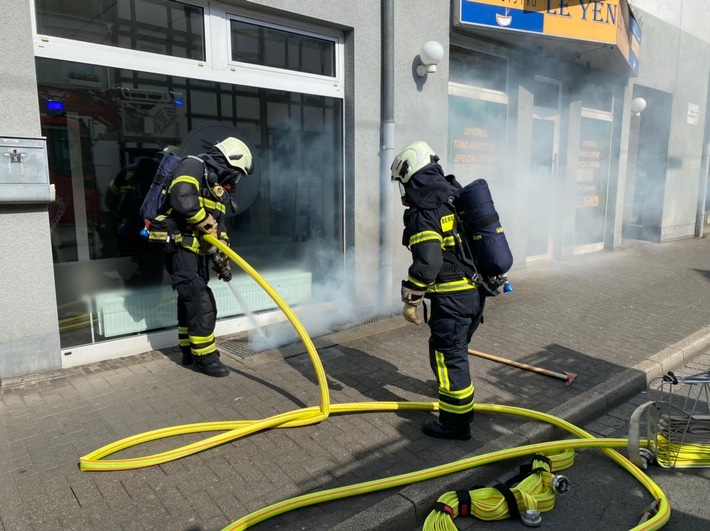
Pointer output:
592, 181
541, 185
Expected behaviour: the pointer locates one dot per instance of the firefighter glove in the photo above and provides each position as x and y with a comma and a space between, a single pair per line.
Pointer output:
221, 266
412, 299
208, 226
411, 313
412, 296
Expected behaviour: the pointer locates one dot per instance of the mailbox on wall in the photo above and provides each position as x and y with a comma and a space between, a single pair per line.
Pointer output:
24, 170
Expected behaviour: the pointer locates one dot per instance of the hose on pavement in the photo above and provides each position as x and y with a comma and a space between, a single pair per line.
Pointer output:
232, 430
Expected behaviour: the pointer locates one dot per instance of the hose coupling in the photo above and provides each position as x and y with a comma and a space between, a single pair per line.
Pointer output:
531, 518
650, 511
560, 484
647, 457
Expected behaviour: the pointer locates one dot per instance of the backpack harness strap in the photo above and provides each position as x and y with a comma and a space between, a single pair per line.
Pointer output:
485, 221
467, 265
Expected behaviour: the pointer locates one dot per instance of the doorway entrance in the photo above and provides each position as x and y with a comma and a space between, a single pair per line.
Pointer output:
592, 181
541, 181
541, 185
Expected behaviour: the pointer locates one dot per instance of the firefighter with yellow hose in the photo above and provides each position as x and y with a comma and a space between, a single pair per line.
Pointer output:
455, 300
198, 201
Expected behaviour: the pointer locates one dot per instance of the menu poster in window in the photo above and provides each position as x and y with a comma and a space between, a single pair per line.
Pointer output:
592, 177
476, 136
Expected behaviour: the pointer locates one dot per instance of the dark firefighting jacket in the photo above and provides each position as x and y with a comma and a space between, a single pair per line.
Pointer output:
430, 227
192, 199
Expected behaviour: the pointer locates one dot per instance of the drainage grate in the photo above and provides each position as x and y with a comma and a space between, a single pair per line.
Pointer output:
238, 347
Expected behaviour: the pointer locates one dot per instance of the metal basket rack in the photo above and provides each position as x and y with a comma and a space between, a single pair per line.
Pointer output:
676, 420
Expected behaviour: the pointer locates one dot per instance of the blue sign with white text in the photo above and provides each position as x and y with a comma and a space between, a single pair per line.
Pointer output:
488, 15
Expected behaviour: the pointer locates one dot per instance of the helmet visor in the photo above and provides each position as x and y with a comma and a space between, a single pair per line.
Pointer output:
230, 179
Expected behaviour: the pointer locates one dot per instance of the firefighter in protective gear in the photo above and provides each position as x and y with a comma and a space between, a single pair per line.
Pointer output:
456, 302
199, 199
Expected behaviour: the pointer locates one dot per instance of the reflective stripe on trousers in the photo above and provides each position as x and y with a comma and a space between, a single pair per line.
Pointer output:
196, 306
454, 319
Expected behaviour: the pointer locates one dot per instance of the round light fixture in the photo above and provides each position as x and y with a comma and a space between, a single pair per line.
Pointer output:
637, 106
432, 53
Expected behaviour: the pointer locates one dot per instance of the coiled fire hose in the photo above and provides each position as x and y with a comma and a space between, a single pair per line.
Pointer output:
522, 497
678, 440
232, 430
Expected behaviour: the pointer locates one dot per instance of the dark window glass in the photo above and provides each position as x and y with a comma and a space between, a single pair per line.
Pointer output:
157, 26
597, 96
477, 69
260, 45
104, 128
545, 95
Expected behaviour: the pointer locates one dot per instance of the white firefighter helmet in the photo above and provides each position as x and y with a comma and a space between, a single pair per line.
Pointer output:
237, 154
411, 159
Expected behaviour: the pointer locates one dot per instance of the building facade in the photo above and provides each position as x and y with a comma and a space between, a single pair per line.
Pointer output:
544, 99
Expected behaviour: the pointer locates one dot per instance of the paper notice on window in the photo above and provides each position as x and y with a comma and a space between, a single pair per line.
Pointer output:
693, 113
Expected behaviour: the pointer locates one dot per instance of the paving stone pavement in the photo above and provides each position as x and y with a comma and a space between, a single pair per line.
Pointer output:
613, 318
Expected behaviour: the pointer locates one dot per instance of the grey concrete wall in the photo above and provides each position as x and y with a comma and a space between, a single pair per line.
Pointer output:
689, 15
421, 104
29, 334
675, 58
687, 137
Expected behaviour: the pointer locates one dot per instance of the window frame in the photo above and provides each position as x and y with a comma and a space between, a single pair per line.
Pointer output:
217, 65
296, 28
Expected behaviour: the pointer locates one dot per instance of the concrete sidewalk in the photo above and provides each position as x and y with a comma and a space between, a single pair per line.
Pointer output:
611, 318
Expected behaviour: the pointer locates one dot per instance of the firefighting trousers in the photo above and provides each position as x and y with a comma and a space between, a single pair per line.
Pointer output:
196, 306
454, 319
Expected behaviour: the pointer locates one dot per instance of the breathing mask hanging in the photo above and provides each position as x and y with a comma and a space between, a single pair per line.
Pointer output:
406, 200
220, 192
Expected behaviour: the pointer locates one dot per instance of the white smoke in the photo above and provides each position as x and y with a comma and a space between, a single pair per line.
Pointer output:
332, 307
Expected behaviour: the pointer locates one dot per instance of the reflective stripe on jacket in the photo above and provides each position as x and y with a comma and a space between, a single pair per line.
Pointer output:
191, 201
430, 231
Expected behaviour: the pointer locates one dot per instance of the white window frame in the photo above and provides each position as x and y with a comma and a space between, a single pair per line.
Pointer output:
477, 93
217, 65
257, 72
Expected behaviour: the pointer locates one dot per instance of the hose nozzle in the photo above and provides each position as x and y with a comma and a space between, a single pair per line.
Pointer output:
220, 265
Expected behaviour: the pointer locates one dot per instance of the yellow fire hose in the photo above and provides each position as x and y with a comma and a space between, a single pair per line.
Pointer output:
523, 497
232, 430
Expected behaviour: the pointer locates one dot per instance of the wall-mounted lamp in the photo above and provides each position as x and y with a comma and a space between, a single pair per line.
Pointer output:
432, 53
637, 106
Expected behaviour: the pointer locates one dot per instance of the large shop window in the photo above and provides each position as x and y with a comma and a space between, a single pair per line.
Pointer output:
478, 113
104, 129
476, 138
477, 69
158, 26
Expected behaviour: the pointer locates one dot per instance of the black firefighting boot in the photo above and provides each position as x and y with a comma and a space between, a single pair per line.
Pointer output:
210, 365
186, 356
459, 432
